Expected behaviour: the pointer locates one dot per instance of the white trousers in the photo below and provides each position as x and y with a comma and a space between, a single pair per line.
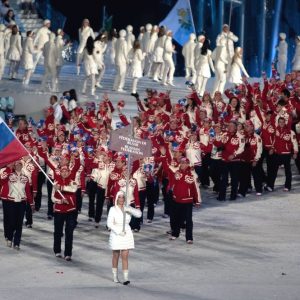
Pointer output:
13, 68
27, 76
282, 67
37, 59
92, 79
201, 84
169, 69
50, 74
190, 72
120, 77
134, 84
220, 79
2, 65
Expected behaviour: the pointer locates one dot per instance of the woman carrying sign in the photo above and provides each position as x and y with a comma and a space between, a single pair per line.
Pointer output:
121, 237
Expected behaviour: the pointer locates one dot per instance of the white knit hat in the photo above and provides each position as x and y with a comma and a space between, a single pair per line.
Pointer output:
46, 22
282, 35
59, 31
122, 33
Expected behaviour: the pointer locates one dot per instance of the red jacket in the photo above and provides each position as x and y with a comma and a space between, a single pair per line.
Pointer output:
68, 188
285, 141
253, 148
4, 175
231, 144
183, 185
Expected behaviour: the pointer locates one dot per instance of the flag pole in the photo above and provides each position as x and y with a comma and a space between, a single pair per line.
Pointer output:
128, 175
34, 160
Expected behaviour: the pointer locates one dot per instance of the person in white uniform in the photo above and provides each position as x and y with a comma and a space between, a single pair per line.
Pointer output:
136, 57
121, 241
203, 68
61, 46
41, 38
296, 59
197, 51
14, 52
220, 58
50, 59
90, 66
169, 69
282, 55
2, 49
27, 58
230, 38
158, 53
188, 52
153, 39
145, 45
121, 60
84, 32
100, 45
237, 67
130, 38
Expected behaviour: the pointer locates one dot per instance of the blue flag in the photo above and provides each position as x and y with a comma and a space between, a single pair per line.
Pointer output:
180, 21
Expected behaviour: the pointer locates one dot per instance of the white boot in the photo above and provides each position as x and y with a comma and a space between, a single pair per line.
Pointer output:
125, 276
115, 275
78, 70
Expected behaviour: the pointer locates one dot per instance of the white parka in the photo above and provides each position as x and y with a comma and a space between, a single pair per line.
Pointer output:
28, 52
188, 52
121, 51
230, 40
42, 37
50, 54
296, 59
84, 34
204, 65
99, 50
15, 48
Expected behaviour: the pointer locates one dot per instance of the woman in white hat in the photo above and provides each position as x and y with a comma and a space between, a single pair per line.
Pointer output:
296, 59
237, 67
282, 55
121, 241
84, 32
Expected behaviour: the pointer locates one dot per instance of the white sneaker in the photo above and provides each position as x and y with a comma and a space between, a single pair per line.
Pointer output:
58, 255
121, 91
98, 85
164, 83
171, 84
286, 190
258, 194
156, 79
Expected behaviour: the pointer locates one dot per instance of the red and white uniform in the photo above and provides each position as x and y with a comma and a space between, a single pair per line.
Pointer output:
285, 141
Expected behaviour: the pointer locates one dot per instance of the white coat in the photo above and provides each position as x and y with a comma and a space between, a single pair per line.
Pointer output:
60, 47
205, 64
15, 49
50, 55
235, 72
99, 50
130, 38
84, 34
42, 37
197, 53
136, 57
168, 48
282, 50
152, 42
28, 52
159, 49
121, 52
188, 52
146, 42
111, 50
296, 59
2, 43
90, 65
230, 40
7, 35
115, 223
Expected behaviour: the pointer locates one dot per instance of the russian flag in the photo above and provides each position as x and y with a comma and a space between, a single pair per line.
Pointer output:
10, 148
